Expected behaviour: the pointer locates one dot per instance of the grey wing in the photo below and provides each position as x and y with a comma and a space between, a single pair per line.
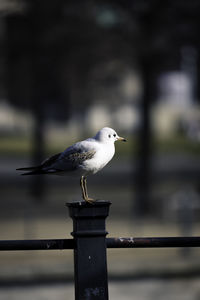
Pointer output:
51, 160
71, 159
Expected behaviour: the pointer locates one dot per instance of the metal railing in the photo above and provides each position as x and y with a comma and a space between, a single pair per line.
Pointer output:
90, 243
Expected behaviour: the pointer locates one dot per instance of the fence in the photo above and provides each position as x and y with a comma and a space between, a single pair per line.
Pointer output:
89, 244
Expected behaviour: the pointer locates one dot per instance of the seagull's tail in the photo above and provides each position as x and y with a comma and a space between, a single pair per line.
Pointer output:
32, 170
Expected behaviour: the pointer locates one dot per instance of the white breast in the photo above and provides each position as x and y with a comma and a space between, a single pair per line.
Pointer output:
104, 153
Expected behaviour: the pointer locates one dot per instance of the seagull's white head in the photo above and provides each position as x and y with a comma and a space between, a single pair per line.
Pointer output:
108, 135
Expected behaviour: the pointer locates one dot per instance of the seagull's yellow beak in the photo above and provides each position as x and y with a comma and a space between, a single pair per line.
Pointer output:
121, 139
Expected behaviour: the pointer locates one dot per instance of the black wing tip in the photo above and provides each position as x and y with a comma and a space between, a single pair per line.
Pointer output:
27, 173
30, 171
26, 168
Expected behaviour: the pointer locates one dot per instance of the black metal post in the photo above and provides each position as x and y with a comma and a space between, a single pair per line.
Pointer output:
90, 263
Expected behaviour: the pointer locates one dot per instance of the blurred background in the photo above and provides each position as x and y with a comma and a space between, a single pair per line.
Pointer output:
67, 69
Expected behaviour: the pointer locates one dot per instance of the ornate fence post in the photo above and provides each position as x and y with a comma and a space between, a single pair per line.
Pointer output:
90, 263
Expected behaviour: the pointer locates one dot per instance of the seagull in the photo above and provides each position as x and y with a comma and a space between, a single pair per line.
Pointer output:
81, 159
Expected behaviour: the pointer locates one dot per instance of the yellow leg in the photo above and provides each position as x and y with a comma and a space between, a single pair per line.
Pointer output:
83, 183
85, 186
82, 187
88, 199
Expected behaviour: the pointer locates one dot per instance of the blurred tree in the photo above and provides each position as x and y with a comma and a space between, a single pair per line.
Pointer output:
70, 39
54, 50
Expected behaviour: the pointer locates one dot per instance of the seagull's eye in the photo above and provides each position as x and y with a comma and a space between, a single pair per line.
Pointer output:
109, 136
114, 135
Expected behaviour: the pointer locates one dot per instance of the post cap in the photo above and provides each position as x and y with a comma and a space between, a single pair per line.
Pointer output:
83, 209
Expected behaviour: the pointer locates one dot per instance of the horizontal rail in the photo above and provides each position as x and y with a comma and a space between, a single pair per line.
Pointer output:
153, 242
61, 244
56, 244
